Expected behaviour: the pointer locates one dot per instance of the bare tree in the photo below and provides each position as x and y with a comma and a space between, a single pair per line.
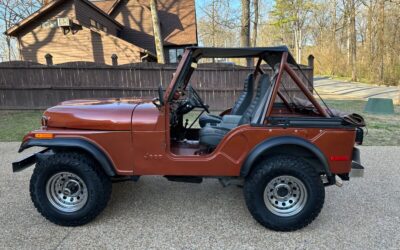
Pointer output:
255, 22
352, 38
11, 12
245, 27
292, 15
334, 28
8, 17
157, 32
218, 24
381, 40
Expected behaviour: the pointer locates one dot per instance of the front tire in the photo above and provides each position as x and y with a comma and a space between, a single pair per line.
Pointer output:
284, 193
68, 189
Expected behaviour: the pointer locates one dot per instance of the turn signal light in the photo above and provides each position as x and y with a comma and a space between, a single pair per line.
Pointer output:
44, 136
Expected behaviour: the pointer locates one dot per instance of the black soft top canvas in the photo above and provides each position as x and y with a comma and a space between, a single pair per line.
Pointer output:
272, 55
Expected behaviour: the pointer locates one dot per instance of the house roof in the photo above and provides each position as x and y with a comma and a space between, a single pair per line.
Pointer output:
45, 9
106, 6
177, 22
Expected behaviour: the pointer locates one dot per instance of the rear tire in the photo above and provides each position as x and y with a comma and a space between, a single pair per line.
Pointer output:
284, 193
68, 189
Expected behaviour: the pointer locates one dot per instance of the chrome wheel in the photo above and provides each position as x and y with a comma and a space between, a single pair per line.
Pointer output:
67, 192
285, 195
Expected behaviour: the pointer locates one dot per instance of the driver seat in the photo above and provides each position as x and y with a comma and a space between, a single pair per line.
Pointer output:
211, 135
238, 108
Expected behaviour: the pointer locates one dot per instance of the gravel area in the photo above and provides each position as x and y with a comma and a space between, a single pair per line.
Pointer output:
155, 213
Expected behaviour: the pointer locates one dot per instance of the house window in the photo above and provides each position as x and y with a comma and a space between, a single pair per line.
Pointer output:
50, 24
175, 55
98, 25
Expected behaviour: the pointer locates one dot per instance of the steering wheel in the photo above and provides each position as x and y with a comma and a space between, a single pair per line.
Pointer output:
195, 97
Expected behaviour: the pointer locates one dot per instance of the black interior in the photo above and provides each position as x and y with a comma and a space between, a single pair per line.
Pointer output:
238, 108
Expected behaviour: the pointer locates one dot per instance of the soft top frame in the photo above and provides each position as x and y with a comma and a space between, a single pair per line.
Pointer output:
278, 58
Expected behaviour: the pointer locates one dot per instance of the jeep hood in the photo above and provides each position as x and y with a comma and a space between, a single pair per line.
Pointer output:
93, 114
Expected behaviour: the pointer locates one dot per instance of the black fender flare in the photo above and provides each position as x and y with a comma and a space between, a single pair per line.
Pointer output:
264, 146
70, 143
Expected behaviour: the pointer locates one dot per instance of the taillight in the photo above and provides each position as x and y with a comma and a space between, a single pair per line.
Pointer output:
339, 158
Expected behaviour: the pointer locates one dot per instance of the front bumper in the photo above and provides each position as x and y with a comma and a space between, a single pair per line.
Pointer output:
357, 170
28, 161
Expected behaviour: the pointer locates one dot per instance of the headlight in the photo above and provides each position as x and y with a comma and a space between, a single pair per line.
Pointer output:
44, 121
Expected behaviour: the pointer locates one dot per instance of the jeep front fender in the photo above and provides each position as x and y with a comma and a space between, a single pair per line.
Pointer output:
66, 143
263, 148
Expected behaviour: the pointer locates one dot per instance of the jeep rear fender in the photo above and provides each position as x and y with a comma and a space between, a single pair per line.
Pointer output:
74, 143
286, 145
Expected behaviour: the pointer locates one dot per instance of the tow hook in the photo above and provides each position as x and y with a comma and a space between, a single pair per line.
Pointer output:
338, 181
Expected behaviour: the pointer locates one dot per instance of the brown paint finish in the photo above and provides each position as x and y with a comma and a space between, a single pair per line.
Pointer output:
147, 152
96, 114
117, 145
147, 117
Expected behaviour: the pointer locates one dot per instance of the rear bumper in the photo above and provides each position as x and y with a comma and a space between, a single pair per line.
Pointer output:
357, 170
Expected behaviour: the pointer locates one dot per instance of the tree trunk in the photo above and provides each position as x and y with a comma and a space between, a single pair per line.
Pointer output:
381, 40
352, 40
334, 45
8, 41
300, 47
370, 33
245, 27
255, 23
213, 27
297, 44
298, 38
157, 32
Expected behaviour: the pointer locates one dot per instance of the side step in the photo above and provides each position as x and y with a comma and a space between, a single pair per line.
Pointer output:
188, 179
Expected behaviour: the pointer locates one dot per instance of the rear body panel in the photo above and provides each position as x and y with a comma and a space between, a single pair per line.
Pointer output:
152, 156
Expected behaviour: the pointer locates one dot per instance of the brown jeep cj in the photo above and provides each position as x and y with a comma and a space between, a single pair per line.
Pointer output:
282, 145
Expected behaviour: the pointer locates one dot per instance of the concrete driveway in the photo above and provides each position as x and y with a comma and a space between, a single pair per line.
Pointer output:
336, 89
155, 213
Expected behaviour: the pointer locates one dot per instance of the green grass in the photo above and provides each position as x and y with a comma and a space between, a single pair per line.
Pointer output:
15, 124
381, 129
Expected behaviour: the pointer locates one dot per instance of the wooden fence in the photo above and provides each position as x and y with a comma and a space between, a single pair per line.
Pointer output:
26, 85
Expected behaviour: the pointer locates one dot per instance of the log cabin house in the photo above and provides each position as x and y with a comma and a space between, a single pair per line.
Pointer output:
99, 30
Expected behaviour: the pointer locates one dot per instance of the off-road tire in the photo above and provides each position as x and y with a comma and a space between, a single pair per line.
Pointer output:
98, 187
283, 165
